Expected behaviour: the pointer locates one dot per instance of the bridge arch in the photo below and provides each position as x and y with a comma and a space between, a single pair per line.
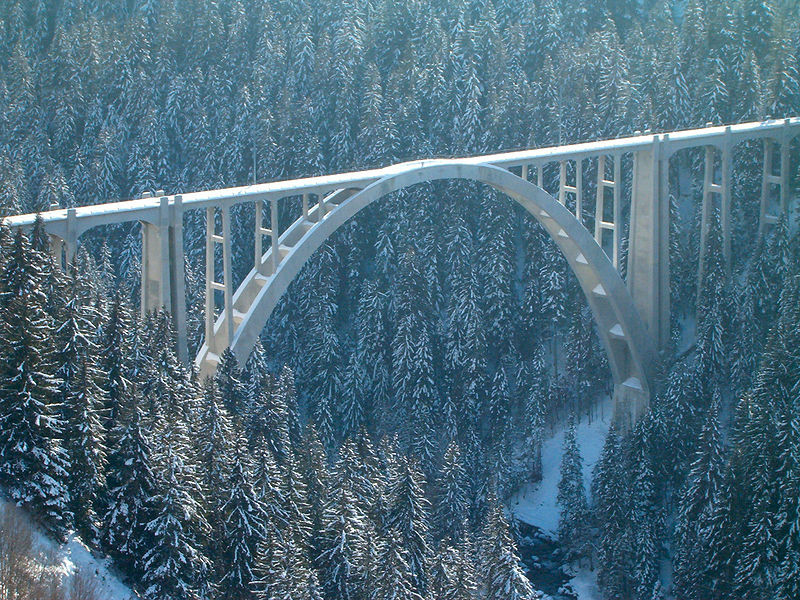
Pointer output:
622, 332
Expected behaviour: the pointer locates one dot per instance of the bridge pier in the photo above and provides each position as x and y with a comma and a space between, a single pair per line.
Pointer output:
163, 280
648, 246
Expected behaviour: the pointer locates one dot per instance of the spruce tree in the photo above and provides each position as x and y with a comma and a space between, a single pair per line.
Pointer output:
395, 582
695, 565
241, 531
173, 565
130, 482
35, 465
501, 571
83, 402
573, 525
450, 506
409, 516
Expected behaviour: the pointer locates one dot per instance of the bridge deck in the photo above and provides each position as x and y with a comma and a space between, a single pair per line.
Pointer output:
147, 209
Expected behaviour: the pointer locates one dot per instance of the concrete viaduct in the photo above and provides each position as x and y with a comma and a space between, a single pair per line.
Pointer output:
632, 316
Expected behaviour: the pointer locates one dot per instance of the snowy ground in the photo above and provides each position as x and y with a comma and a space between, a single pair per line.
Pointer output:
536, 504
74, 557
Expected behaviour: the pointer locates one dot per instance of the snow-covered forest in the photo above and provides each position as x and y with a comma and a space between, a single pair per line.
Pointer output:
404, 388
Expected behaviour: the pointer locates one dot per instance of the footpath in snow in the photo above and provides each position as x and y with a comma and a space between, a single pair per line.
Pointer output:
536, 503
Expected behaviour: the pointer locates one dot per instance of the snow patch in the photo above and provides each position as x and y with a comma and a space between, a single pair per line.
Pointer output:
585, 585
535, 503
75, 557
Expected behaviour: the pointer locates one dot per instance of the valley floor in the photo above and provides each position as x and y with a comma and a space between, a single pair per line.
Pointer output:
536, 503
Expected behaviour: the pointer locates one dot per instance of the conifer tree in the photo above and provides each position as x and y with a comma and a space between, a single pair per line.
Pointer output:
241, 530
131, 482
609, 490
695, 566
214, 442
231, 387
409, 516
34, 465
395, 582
573, 526
114, 356
500, 565
82, 401
343, 540
173, 565
450, 507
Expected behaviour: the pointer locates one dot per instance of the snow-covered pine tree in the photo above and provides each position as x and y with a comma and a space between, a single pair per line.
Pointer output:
573, 522
533, 409
610, 493
289, 576
498, 437
82, 401
342, 541
409, 517
396, 581
173, 565
496, 268
453, 574
268, 418
130, 483
33, 463
713, 313
313, 463
241, 529
114, 355
270, 504
214, 444
372, 356
695, 565
232, 388
450, 505
500, 568
645, 511
412, 360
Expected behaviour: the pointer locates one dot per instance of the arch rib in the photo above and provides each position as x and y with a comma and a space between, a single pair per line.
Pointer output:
623, 333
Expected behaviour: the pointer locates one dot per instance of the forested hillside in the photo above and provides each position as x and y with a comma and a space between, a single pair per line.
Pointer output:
403, 388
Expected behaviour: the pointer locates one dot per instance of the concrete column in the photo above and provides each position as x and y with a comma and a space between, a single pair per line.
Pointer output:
648, 255
211, 283
227, 272
705, 214
766, 175
57, 250
275, 232
71, 241
163, 275
177, 274
154, 294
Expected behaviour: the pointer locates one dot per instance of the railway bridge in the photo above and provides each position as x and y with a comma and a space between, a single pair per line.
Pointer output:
632, 315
